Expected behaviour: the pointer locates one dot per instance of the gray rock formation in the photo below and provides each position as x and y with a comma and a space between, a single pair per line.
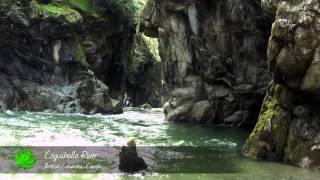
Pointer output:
55, 57
62, 56
213, 58
289, 123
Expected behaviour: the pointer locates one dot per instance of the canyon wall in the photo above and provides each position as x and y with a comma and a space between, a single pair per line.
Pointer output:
143, 76
288, 128
68, 56
213, 58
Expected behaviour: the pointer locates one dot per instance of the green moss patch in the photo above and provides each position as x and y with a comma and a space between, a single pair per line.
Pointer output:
86, 6
253, 146
80, 54
142, 54
74, 11
55, 9
268, 139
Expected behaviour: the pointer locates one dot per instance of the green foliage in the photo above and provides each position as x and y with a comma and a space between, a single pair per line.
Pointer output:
141, 4
252, 146
81, 57
142, 54
122, 9
57, 10
84, 5
119, 10
153, 45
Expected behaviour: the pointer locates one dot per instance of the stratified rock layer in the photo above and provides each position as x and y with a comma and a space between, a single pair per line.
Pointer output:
289, 123
213, 58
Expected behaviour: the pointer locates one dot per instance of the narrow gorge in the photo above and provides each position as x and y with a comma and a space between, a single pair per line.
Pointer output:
102, 69
74, 57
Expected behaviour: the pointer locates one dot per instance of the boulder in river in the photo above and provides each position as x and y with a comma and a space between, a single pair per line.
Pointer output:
146, 106
129, 160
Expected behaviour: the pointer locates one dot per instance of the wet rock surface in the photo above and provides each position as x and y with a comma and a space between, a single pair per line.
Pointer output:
213, 58
129, 159
289, 123
62, 56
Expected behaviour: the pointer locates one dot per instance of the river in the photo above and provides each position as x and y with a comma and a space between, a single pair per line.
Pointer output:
149, 129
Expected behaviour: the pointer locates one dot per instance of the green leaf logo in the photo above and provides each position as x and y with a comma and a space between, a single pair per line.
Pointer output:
25, 159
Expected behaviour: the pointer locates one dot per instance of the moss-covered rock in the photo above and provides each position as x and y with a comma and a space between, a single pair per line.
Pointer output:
80, 54
56, 10
286, 131
268, 138
86, 6
289, 123
72, 11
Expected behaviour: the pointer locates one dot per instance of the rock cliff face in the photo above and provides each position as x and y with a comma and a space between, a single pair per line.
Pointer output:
143, 77
289, 123
213, 58
61, 55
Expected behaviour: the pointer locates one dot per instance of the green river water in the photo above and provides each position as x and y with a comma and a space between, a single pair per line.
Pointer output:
149, 129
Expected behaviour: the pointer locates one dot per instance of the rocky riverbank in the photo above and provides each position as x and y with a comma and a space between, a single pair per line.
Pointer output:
288, 128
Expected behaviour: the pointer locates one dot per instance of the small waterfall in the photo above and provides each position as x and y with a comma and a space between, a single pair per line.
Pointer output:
56, 49
127, 101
